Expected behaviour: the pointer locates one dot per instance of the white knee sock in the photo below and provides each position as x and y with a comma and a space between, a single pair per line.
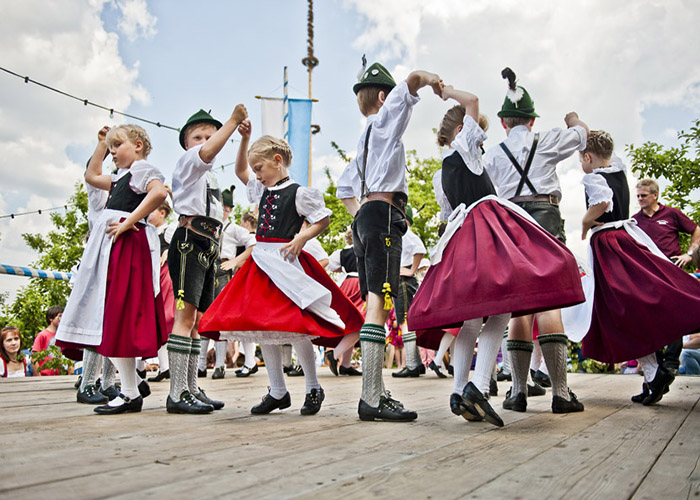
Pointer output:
248, 349
445, 344
140, 364
220, 350
273, 362
536, 359
489, 343
464, 353
286, 355
649, 366
163, 358
307, 360
202, 361
128, 377
504, 353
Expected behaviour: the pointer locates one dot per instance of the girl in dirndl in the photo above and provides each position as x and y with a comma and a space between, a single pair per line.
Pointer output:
281, 295
115, 307
642, 300
492, 260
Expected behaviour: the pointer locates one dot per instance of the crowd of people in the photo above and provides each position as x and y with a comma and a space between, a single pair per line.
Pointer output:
499, 275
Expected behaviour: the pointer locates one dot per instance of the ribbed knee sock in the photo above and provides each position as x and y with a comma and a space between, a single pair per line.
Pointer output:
464, 353
307, 360
193, 360
372, 339
411, 346
220, 350
519, 352
204, 347
286, 355
489, 343
163, 358
554, 353
91, 368
273, 363
178, 359
109, 372
504, 353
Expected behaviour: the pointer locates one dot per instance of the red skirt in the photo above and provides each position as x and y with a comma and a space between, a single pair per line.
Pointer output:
430, 339
351, 288
166, 291
252, 302
641, 302
497, 262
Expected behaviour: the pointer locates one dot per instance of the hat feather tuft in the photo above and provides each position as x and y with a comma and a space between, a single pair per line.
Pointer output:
363, 68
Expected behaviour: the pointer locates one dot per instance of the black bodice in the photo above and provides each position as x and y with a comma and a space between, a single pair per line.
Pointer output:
277, 215
122, 197
617, 181
348, 260
461, 185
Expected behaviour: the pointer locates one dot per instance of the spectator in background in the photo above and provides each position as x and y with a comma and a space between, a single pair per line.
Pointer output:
12, 361
690, 356
47, 337
664, 224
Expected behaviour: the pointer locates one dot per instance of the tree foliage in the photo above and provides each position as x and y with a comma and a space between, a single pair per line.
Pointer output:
59, 250
680, 166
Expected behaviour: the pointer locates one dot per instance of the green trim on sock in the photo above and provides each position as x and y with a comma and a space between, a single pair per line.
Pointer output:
410, 337
553, 337
519, 345
373, 333
179, 344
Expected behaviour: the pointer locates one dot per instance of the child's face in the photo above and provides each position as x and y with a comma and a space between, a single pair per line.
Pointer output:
267, 170
11, 342
157, 217
56, 320
125, 152
198, 134
586, 162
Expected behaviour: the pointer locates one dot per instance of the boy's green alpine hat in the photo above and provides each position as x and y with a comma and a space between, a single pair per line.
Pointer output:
200, 116
376, 76
518, 102
227, 196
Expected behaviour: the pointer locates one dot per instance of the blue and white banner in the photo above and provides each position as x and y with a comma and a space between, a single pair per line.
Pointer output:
299, 131
34, 273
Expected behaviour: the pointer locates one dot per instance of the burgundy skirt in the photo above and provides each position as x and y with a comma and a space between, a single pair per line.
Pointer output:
641, 303
166, 291
497, 262
252, 302
430, 339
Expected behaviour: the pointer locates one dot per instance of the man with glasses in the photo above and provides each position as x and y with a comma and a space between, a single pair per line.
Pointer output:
664, 224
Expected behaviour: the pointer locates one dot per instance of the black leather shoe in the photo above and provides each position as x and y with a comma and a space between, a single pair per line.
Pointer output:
111, 392
541, 378
661, 381
493, 388
332, 362
475, 399
535, 390
161, 376
246, 372
297, 371
561, 405
269, 403
388, 409
141, 373
436, 369
312, 402
187, 404
128, 406
219, 373
638, 398
406, 372
516, 403
202, 397
421, 369
451, 370
91, 396
287, 369
460, 408
502, 375
201, 373
144, 389
350, 371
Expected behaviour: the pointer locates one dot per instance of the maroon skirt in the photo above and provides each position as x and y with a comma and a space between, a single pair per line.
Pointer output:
166, 291
642, 302
497, 262
252, 302
430, 339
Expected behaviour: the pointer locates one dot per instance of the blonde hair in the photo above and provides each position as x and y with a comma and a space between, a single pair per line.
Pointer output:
649, 184
131, 133
268, 146
368, 98
348, 236
453, 119
599, 143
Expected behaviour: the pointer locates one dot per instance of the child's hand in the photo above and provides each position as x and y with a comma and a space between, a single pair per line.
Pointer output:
239, 113
587, 225
102, 134
244, 129
436, 83
571, 119
115, 229
291, 250
447, 92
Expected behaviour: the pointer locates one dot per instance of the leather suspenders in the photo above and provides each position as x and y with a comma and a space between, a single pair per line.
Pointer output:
523, 172
363, 173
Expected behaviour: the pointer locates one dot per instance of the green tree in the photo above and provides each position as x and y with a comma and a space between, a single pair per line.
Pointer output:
59, 250
679, 165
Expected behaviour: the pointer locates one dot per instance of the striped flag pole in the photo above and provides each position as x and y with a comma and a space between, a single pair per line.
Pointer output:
285, 106
34, 273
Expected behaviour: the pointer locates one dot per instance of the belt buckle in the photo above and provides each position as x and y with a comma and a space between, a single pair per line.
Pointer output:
553, 200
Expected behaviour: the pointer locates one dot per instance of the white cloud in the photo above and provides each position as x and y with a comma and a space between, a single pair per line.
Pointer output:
136, 21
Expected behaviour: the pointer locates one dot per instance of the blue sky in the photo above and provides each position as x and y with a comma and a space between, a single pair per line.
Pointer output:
631, 68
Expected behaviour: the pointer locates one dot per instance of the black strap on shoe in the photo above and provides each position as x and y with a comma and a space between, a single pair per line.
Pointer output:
523, 172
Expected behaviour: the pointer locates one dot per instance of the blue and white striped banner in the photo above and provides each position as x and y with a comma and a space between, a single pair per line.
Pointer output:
34, 273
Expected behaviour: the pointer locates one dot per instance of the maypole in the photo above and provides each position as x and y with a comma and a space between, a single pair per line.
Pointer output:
310, 61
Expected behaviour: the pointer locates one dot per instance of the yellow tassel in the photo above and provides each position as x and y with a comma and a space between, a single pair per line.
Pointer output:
180, 303
386, 289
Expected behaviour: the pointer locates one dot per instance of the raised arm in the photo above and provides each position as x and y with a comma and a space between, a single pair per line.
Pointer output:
419, 79
217, 141
93, 174
466, 99
571, 119
242, 170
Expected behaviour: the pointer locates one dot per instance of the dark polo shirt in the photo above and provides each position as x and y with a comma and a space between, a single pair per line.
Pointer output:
663, 228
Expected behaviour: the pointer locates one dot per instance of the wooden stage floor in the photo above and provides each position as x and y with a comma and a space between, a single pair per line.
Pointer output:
53, 447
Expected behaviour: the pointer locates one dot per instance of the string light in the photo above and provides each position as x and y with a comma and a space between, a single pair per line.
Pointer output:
52, 209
